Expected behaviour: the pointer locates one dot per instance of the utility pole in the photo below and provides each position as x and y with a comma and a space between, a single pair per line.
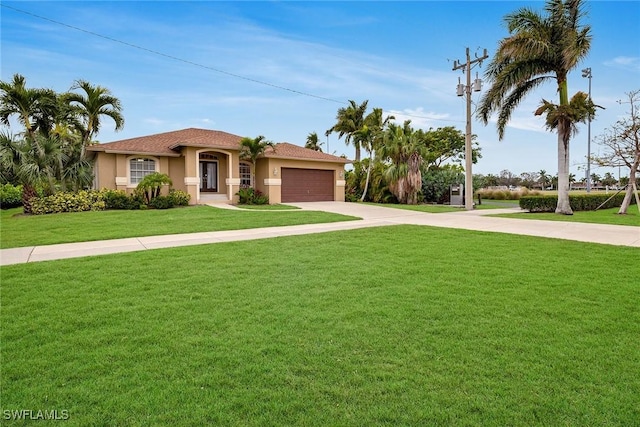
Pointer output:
466, 90
587, 73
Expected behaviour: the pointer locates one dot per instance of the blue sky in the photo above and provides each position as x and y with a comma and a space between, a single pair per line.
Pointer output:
223, 65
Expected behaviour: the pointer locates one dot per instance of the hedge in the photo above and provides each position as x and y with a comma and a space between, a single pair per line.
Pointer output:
92, 200
582, 202
10, 196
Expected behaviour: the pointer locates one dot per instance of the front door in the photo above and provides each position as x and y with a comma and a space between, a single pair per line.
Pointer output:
209, 177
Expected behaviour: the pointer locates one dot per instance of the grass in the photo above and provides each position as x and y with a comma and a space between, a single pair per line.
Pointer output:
419, 208
20, 230
276, 207
401, 325
603, 216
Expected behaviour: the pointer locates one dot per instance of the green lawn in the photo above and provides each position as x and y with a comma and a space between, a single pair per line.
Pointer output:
602, 216
20, 230
420, 208
277, 207
401, 325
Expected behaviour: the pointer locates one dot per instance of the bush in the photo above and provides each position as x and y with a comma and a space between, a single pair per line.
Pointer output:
436, 184
119, 199
10, 196
486, 193
179, 198
161, 202
581, 202
250, 196
68, 202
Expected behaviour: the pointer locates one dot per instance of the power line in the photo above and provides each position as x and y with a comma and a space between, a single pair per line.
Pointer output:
196, 64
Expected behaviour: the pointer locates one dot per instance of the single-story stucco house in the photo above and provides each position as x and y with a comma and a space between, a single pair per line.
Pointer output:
207, 165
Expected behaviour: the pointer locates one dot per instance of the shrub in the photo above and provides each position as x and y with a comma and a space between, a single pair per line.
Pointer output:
119, 199
161, 202
179, 198
10, 196
68, 202
581, 202
250, 196
497, 194
436, 184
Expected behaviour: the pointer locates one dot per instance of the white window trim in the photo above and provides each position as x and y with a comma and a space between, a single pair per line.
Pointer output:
250, 175
129, 158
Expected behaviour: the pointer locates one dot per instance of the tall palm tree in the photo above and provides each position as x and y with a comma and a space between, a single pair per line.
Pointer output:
402, 147
540, 48
349, 120
370, 137
92, 104
313, 142
251, 149
35, 108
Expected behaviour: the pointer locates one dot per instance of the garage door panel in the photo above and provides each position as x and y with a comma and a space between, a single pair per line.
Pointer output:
307, 185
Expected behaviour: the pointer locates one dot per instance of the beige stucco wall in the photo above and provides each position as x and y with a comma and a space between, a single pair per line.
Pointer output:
112, 172
105, 171
271, 184
176, 172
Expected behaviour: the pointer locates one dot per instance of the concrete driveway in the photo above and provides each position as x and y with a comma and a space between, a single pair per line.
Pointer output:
480, 221
372, 216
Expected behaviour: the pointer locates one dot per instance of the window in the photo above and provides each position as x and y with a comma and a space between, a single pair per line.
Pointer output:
140, 168
245, 175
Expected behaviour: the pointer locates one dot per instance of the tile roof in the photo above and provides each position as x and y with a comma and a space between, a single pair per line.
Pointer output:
284, 150
169, 143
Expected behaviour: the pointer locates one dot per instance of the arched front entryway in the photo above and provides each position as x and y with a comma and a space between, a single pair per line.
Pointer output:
214, 171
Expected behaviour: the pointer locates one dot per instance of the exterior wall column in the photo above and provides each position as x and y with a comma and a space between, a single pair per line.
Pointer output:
191, 178
121, 172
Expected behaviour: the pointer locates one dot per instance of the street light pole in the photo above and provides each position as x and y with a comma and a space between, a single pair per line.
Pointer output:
587, 73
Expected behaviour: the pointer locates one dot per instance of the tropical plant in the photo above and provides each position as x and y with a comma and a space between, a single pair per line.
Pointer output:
350, 120
253, 148
539, 48
370, 137
91, 105
543, 179
404, 151
35, 108
151, 185
33, 163
313, 142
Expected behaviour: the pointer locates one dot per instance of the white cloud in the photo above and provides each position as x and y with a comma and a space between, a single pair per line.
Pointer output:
419, 118
628, 62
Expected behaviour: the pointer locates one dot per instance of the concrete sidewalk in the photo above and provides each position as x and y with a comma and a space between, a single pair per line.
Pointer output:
372, 216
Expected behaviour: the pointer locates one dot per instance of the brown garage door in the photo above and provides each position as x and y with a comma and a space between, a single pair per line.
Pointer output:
306, 185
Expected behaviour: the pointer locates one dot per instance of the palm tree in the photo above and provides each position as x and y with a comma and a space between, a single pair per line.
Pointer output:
94, 103
402, 147
349, 120
370, 137
251, 149
543, 178
35, 108
313, 143
539, 48
33, 163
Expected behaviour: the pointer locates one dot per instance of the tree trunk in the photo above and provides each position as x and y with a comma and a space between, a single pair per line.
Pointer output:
563, 207
28, 192
626, 202
366, 183
357, 147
